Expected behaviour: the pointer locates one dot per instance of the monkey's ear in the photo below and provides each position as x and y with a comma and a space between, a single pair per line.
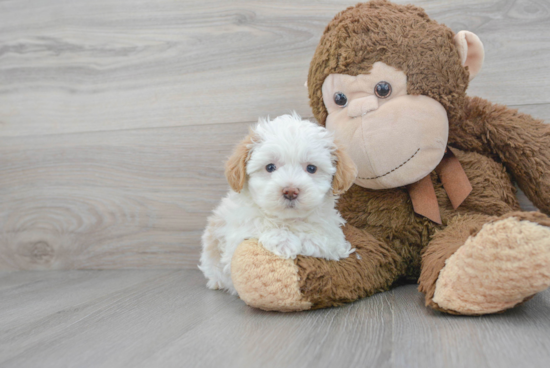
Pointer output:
235, 167
346, 172
471, 51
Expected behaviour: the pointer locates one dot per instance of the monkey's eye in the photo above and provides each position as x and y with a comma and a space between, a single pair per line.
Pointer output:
270, 168
340, 99
311, 169
382, 90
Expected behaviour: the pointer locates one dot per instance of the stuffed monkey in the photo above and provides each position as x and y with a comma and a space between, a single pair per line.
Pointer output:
434, 200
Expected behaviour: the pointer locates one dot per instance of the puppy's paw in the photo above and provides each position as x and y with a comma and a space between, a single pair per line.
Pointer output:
322, 247
213, 285
344, 250
281, 242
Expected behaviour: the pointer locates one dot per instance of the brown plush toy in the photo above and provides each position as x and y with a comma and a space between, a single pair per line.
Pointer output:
434, 200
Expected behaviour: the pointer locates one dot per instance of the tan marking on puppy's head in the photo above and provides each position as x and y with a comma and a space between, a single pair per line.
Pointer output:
346, 171
235, 167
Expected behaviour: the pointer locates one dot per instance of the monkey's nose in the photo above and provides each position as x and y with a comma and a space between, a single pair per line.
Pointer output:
362, 106
290, 193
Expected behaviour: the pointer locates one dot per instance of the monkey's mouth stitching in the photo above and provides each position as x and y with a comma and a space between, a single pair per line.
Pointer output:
389, 172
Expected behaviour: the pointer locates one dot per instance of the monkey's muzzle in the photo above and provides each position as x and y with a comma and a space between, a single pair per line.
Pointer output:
400, 142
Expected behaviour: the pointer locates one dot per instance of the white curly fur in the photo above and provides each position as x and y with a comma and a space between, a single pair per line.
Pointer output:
309, 225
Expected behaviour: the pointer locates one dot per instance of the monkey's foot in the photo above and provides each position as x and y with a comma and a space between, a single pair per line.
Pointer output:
266, 281
506, 263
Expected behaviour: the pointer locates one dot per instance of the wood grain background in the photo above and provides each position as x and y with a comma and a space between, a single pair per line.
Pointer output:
116, 115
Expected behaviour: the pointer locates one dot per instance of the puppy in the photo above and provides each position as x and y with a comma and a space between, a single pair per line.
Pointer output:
285, 177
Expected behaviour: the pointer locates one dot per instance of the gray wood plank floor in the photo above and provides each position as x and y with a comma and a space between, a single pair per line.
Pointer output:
167, 318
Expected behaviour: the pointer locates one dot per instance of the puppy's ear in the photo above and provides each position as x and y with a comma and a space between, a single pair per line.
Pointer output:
235, 167
346, 171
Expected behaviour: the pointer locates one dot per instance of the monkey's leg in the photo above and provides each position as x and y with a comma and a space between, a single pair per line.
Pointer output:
480, 264
266, 281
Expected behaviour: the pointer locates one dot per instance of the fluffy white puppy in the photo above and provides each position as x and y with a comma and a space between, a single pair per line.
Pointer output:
285, 177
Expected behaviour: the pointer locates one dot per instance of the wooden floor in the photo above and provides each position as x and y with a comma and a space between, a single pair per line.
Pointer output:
167, 318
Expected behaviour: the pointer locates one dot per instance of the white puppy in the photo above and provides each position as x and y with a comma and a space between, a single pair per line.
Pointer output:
285, 176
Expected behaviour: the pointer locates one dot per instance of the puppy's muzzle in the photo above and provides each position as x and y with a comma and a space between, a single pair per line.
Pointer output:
291, 193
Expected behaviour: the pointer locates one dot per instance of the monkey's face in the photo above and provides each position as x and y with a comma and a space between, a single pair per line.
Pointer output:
394, 138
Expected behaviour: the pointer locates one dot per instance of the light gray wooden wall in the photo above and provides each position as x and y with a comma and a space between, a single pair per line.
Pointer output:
116, 115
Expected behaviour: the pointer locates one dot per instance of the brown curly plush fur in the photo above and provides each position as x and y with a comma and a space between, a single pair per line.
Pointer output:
495, 145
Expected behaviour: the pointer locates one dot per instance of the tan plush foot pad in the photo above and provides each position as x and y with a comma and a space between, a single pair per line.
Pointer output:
505, 263
266, 281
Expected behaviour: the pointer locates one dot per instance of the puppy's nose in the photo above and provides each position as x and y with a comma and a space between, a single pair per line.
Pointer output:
290, 193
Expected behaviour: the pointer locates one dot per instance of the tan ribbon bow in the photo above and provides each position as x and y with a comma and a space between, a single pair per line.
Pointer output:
454, 181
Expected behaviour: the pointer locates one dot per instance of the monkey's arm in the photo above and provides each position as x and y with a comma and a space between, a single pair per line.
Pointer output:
519, 141
266, 281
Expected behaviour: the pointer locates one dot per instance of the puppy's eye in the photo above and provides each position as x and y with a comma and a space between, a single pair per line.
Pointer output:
340, 99
382, 90
270, 168
311, 169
